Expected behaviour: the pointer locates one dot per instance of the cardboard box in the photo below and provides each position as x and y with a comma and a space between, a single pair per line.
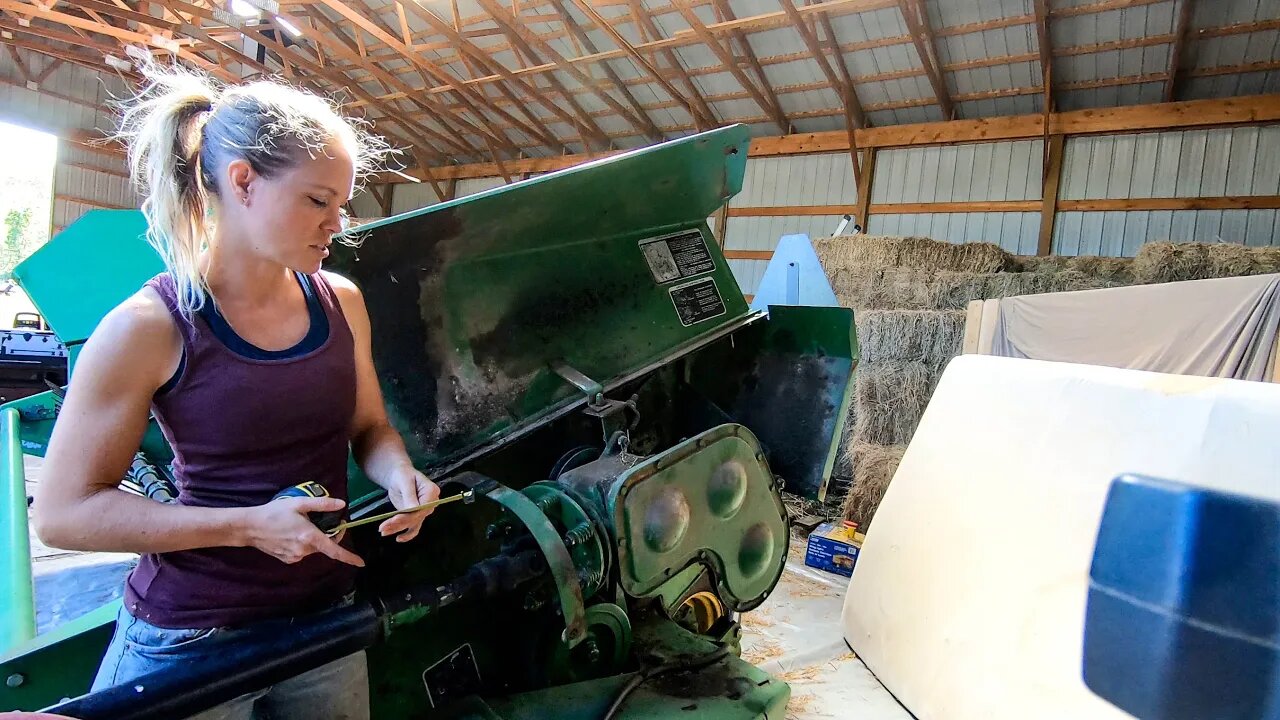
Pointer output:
834, 547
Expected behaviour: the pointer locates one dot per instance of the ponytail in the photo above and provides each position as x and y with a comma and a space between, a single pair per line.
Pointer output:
163, 127
182, 131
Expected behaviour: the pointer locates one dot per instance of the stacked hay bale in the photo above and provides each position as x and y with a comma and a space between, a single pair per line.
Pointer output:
1173, 262
909, 297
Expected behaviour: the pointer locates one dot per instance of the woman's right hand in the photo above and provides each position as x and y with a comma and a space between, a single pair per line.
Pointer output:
282, 530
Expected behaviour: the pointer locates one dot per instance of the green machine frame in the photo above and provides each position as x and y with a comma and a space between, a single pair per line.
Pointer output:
509, 326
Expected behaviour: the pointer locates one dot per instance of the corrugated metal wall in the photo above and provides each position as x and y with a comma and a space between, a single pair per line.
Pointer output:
71, 98
960, 173
1183, 164
806, 180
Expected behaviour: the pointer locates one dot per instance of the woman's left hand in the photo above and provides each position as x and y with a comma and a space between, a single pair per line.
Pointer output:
408, 488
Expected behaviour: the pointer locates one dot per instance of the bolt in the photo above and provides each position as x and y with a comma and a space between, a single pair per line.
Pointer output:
15, 680
546, 503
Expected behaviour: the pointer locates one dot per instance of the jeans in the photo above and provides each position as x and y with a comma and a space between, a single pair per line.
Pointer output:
336, 691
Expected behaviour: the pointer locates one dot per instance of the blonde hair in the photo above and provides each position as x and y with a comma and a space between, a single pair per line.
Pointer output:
182, 130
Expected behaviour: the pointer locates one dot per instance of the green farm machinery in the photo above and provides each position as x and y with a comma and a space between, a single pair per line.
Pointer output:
574, 352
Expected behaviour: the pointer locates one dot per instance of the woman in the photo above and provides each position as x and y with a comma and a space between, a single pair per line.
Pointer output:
257, 366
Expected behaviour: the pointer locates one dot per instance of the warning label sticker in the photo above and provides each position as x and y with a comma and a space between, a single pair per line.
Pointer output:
678, 256
697, 301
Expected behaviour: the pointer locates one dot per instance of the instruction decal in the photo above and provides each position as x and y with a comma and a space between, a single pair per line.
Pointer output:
697, 301
674, 257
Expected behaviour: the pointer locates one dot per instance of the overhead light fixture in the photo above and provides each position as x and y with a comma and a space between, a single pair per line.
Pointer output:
289, 28
244, 9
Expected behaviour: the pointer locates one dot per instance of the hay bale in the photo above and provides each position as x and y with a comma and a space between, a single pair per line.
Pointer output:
929, 336
1176, 262
874, 466
1117, 270
869, 251
891, 397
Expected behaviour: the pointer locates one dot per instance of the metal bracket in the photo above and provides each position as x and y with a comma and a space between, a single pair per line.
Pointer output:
611, 413
548, 538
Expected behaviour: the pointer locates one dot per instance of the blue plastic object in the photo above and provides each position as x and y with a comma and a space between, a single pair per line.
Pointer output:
794, 277
1183, 617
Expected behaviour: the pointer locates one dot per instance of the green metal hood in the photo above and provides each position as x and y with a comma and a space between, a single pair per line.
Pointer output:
605, 267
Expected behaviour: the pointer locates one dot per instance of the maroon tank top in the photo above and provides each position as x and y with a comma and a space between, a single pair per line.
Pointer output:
245, 423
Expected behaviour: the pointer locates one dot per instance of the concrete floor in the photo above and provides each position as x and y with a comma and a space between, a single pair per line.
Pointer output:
70, 584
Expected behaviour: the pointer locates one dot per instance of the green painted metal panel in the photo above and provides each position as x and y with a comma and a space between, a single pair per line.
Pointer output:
710, 500
87, 269
58, 664
17, 597
606, 267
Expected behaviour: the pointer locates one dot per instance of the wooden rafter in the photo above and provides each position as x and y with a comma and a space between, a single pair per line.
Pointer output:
534, 47
48, 70
744, 46
465, 46
1181, 33
1044, 48
120, 34
842, 86
588, 46
341, 46
703, 117
22, 65
469, 97
726, 58
917, 18
417, 131
854, 116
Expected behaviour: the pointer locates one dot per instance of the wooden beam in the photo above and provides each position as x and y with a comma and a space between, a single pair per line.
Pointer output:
537, 45
854, 115
748, 254
1103, 6
1231, 202
1049, 196
95, 168
744, 46
1238, 29
87, 201
917, 18
889, 208
726, 58
469, 97
702, 115
73, 21
294, 53
842, 91
862, 213
49, 70
22, 65
588, 46
1251, 110
465, 46
1182, 31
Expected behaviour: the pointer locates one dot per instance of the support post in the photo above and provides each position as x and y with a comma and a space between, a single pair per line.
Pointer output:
863, 212
1049, 195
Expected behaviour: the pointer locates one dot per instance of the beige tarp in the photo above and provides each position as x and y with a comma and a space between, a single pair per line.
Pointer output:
1215, 328
968, 598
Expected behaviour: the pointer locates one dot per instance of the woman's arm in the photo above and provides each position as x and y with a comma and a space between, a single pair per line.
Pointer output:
78, 503
377, 447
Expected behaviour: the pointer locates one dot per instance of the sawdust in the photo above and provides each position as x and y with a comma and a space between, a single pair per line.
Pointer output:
756, 619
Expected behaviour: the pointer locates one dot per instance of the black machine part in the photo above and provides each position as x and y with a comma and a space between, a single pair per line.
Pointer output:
285, 649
